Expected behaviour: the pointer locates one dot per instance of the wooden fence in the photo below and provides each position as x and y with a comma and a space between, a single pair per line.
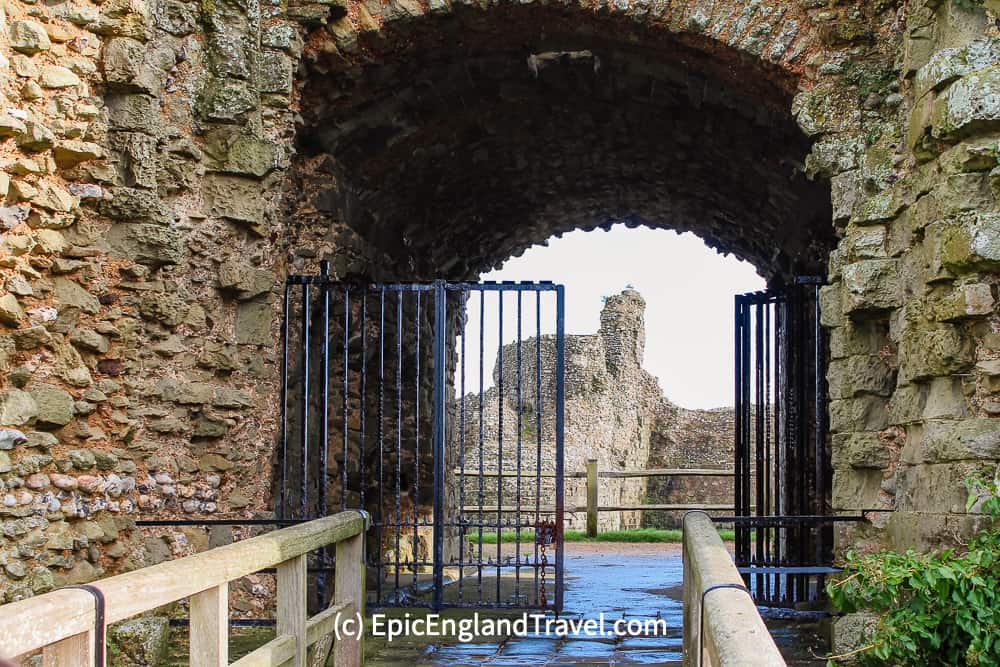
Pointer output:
68, 624
592, 474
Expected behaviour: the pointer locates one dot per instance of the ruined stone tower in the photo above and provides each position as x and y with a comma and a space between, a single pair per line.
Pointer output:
615, 412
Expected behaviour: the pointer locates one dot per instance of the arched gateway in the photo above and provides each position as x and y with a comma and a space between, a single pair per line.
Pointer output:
452, 139
169, 164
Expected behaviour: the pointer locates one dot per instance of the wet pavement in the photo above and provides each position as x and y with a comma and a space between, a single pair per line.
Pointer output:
635, 583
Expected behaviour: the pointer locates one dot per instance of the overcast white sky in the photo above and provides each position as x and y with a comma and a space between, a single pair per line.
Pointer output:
688, 289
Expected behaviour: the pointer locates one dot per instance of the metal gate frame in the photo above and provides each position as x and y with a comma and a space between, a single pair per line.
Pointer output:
782, 523
546, 533
324, 302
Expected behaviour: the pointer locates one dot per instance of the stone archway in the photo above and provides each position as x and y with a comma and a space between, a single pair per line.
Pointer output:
445, 143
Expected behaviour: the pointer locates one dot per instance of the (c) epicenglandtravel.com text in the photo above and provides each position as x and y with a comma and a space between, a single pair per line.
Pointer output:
476, 626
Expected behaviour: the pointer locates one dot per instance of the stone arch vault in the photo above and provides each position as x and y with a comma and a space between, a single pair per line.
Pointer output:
457, 136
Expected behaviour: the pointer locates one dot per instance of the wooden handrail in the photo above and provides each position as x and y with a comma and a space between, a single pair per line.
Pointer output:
62, 622
722, 627
529, 508
606, 474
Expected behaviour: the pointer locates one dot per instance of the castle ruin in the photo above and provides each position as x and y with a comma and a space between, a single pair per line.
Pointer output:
616, 413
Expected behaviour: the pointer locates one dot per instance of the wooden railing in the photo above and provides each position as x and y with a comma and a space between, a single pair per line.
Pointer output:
721, 624
68, 625
592, 508
593, 474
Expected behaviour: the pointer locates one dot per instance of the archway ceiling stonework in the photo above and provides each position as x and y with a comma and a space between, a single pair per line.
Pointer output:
460, 142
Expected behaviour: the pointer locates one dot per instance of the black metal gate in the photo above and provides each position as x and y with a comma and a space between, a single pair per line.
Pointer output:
783, 527
388, 404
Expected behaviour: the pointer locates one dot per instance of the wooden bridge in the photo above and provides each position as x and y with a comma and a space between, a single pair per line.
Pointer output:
68, 625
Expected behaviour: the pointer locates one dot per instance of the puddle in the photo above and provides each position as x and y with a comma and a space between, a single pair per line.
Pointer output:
639, 583
636, 584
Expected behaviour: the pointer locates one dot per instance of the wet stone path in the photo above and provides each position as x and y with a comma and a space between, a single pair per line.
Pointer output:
632, 582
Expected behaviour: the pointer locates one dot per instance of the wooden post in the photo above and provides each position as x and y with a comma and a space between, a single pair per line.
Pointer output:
75, 651
591, 497
209, 631
350, 587
292, 605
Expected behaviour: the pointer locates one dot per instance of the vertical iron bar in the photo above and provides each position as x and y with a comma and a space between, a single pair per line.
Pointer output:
517, 492
500, 295
379, 533
744, 432
766, 481
793, 435
820, 417
363, 405
560, 464
346, 390
283, 494
399, 427
440, 380
759, 432
779, 501
795, 462
304, 463
464, 329
803, 441
538, 428
747, 410
324, 427
416, 439
738, 421
482, 432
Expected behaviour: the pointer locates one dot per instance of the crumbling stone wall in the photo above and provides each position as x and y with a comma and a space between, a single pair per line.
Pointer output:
912, 302
684, 438
136, 380
912, 317
166, 163
615, 412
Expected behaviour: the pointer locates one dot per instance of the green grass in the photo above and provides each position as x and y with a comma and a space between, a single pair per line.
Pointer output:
643, 535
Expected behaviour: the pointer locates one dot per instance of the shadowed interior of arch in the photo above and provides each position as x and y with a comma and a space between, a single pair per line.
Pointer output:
454, 145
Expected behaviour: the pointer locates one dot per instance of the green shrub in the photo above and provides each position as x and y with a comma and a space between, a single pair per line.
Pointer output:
941, 608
